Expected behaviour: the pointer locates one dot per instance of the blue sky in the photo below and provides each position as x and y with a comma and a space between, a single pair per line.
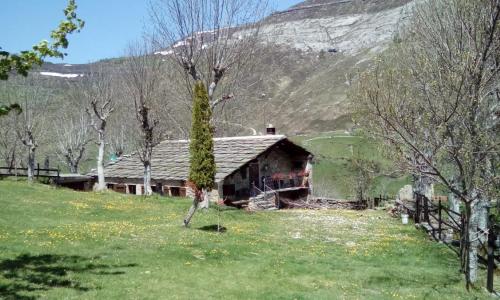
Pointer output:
110, 25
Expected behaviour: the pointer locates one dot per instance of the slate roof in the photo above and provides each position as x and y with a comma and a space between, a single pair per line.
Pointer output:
170, 159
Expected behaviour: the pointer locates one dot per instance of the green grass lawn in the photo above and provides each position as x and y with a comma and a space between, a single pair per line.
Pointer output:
332, 175
60, 244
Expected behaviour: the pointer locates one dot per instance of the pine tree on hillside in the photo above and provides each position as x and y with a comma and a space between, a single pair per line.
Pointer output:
201, 149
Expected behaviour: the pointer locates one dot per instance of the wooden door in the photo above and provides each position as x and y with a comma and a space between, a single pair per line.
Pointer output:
253, 175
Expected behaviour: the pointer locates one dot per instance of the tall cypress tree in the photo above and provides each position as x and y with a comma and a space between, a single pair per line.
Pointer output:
201, 148
202, 161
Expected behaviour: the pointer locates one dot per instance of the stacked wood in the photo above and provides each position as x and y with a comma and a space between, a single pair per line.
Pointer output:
323, 203
261, 202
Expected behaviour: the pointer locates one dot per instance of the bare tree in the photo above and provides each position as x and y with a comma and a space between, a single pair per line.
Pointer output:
9, 143
73, 138
99, 90
434, 102
30, 122
121, 135
142, 77
210, 41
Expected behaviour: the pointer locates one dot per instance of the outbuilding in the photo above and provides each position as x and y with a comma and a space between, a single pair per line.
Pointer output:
246, 167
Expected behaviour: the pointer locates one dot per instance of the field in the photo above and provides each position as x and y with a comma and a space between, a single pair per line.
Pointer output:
60, 244
332, 174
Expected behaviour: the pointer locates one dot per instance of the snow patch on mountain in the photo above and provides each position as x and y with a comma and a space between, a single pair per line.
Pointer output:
166, 52
55, 74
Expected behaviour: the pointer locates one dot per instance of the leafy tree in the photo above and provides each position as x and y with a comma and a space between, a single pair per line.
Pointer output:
434, 102
364, 171
202, 161
25, 60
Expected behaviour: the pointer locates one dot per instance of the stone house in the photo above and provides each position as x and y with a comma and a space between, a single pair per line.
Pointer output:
246, 166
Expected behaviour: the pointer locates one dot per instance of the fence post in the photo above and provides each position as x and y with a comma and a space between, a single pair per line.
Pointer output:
439, 219
491, 257
37, 170
417, 209
426, 209
277, 194
265, 189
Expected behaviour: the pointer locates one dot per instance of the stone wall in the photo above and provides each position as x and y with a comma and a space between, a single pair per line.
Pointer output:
213, 197
172, 188
271, 163
278, 161
241, 182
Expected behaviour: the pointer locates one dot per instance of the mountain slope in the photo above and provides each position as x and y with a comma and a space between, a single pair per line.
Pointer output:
299, 82
312, 49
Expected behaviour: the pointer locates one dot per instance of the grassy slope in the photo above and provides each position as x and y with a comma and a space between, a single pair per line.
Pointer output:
332, 176
63, 244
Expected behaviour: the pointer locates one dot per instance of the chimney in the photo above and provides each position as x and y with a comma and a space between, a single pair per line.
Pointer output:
270, 130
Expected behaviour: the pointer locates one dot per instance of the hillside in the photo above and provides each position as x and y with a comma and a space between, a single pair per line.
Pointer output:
297, 84
317, 9
333, 174
61, 244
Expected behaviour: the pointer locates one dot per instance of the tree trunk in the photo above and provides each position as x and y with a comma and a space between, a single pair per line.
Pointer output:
453, 201
309, 172
31, 162
148, 191
205, 203
101, 184
73, 168
471, 241
482, 223
472, 265
359, 190
425, 187
11, 158
192, 210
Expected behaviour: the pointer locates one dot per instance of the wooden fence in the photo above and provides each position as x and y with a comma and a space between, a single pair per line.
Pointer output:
447, 226
50, 173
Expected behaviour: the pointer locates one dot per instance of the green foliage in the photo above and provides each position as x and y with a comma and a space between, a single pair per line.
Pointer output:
25, 60
202, 162
61, 244
5, 109
363, 169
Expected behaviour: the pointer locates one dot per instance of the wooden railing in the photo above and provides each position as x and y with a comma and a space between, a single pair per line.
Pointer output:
38, 172
437, 218
268, 191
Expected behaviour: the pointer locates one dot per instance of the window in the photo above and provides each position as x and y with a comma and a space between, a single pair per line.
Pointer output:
243, 172
120, 188
132, 189
297, 165
229, 190
175, 191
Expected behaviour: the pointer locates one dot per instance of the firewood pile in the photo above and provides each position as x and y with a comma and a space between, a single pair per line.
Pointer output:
322, 203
